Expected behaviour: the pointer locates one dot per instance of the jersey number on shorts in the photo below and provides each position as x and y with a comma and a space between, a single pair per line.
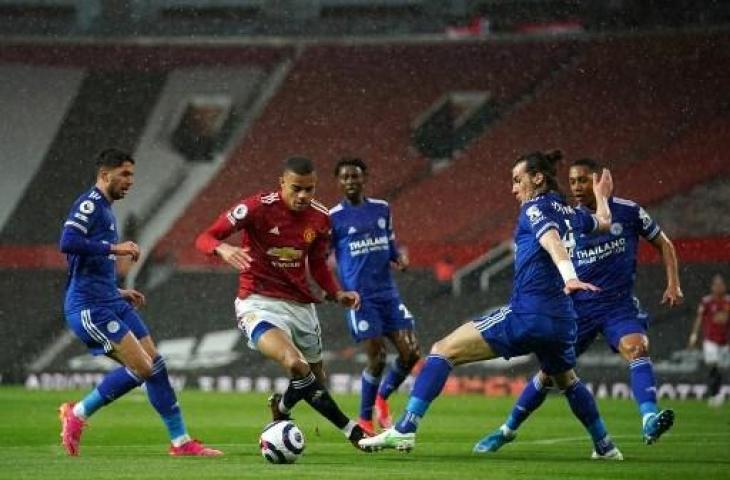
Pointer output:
406, 312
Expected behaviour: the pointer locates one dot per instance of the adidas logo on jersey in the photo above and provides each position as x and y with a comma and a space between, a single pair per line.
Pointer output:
351, 230
275, 230
270, 198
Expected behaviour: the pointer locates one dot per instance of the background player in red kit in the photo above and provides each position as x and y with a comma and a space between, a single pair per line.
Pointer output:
283, 232
713, 315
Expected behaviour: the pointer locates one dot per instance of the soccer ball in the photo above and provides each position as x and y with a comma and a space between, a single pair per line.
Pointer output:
281, 442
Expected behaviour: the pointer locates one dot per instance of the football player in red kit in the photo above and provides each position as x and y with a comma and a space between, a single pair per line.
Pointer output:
285, 232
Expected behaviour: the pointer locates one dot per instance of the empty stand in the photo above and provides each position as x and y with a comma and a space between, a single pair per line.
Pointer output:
110, 109
361, 100
623, 102
36, 99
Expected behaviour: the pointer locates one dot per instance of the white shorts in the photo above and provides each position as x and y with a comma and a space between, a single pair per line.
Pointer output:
714, 352
298, 320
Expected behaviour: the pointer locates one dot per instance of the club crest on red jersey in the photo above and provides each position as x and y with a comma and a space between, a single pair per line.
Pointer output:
309, 235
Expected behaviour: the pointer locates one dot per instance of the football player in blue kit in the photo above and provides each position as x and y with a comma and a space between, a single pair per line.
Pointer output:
609, 262
365, 249
105, 318
539, 318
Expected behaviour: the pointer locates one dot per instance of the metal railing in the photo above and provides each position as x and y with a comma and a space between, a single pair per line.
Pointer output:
491, 263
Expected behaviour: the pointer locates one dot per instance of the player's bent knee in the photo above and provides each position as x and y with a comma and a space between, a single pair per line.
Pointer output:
376, 368
634, 348
376, 359
545, 380
444, 348
295, 365
411, 358
565, 380
142, 370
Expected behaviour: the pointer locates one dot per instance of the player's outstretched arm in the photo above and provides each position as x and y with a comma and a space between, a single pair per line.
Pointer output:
603, 188
211, 242
673, 293
552, 243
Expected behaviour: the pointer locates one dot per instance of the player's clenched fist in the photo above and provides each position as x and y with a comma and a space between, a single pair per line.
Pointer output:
236, 257
348, 299
126, 249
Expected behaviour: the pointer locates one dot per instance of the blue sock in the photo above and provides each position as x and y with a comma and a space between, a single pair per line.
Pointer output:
584, 407
428, 385
114, 384
530, 400
397, 373
162, 397
368, 391
643, 385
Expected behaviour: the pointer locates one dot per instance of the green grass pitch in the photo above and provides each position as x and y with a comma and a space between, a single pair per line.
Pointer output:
127, 440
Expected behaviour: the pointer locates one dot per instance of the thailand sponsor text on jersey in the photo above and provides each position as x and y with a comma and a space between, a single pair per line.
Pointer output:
364, 245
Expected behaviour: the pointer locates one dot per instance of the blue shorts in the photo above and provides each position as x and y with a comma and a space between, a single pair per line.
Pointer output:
378, 317
551, 339
101, 325
613, 321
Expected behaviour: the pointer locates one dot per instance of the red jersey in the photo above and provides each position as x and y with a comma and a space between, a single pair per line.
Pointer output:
282, 243
715, 318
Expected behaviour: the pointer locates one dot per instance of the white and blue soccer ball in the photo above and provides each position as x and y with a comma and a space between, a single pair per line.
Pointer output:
281, 442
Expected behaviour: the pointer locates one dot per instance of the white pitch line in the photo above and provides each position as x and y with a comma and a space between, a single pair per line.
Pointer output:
552, 441
548, 441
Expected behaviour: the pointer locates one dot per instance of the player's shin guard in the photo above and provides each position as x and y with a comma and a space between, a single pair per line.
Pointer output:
320, 399
428, 386
530, 400
163, 399
643, 385
295, 392
395, 377
316, 395
368, 391
114, 385
584, 408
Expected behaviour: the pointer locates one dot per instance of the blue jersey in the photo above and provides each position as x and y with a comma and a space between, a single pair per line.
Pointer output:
538, 286
364, 245
609, 260
91, 276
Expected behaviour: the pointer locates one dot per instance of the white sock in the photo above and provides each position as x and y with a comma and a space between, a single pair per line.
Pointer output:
282, 407
182, 439
347, 429
507, 432
79, 410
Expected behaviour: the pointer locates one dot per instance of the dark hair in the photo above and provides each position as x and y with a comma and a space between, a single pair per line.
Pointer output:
350, 162
589, 163
299, 165
112, 158
545, 163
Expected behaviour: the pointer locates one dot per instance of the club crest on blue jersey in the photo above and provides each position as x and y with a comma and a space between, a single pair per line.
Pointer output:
609, 260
